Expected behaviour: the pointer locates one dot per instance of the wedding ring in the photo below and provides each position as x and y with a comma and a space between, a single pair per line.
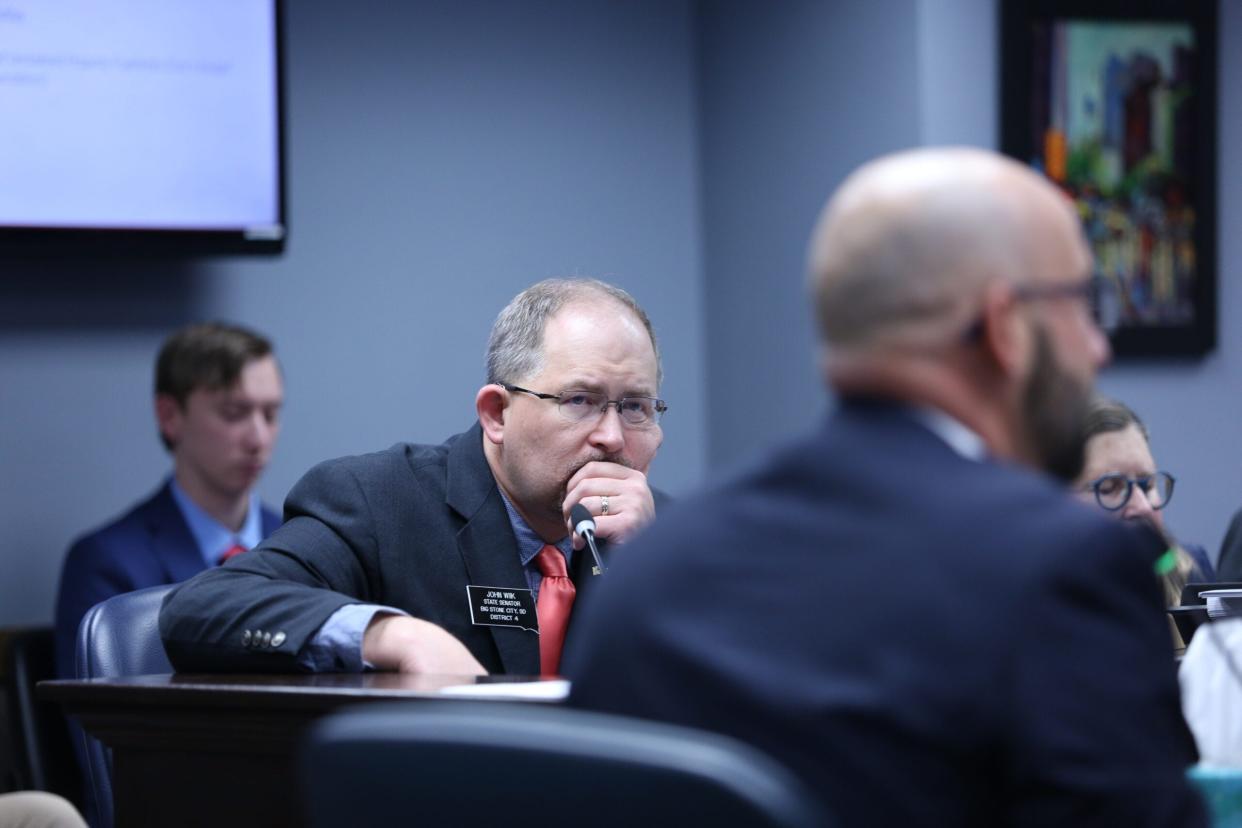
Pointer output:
603, 508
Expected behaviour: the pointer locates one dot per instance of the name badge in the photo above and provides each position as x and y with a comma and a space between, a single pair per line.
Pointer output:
502, 607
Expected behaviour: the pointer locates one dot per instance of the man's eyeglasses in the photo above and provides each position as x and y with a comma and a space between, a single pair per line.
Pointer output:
1112, 491
581, 406
1100, 294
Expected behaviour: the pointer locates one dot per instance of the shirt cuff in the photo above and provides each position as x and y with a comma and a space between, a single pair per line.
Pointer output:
337, 646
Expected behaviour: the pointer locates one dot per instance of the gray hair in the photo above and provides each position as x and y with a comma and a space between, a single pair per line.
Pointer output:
515, 347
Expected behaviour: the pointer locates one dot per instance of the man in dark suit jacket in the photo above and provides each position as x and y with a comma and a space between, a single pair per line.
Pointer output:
924, 631
218, 393
387, 560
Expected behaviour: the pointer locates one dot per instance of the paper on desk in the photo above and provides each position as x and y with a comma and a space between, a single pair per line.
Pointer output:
554, 690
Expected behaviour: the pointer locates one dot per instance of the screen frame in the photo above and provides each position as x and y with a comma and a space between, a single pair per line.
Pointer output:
40, 242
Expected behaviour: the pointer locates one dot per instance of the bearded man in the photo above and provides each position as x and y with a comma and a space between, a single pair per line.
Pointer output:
905, 607
456, 558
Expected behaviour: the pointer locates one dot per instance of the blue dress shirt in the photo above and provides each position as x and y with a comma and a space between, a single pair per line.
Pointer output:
212, 536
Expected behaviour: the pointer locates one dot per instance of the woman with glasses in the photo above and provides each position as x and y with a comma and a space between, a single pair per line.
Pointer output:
1120, 476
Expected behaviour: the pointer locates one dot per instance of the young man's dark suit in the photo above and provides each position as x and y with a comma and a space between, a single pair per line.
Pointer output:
149, 545
408, 527
924, 638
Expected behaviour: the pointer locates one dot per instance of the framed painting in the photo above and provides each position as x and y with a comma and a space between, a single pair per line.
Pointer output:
1115, 102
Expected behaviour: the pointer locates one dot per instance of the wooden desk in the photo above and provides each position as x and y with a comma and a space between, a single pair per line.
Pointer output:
219, 750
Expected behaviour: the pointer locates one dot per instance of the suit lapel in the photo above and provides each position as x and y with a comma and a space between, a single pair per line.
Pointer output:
487, 545
172, 544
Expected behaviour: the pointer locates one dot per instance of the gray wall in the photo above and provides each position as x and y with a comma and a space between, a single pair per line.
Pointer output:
441, 156
793, 96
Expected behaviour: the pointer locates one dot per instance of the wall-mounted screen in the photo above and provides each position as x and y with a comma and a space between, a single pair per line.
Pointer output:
140, 126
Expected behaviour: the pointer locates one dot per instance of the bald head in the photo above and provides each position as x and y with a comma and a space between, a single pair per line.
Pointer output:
904, 248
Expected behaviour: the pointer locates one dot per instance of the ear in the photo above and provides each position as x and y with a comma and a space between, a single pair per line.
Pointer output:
491, 403
1005, 337
169, 417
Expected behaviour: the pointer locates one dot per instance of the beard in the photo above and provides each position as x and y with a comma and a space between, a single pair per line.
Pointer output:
1056, 406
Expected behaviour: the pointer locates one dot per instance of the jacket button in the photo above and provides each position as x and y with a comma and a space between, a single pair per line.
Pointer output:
246, 638
278, 639
267, 639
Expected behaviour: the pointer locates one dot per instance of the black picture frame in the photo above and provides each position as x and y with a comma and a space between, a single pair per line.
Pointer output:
1115, 101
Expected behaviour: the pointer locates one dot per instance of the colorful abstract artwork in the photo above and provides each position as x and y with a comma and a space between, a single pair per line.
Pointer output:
1113, 109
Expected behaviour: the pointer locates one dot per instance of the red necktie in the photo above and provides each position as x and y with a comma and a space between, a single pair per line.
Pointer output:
556, 600
233, 551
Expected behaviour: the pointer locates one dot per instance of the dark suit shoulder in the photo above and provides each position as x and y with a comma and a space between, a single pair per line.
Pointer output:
1036, 529
1030, 517
381, 479
129, 528
884, 498
396, 460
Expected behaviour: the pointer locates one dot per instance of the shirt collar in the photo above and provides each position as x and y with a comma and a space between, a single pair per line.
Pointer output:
528, 541
956, 436
214, 538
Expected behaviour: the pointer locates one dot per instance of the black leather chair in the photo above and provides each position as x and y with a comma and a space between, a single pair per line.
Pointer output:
519, 765
118, 637
42, 757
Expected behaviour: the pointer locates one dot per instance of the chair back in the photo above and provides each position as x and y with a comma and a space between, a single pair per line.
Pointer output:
118, 637
472, 763
42, 753
121, 636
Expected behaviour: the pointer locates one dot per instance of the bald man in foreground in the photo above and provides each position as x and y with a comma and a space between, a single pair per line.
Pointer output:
905, 607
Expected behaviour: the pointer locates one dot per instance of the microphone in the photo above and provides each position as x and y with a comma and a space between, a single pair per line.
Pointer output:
584, 525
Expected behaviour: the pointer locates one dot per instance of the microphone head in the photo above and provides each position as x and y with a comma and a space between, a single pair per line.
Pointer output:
582, 519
